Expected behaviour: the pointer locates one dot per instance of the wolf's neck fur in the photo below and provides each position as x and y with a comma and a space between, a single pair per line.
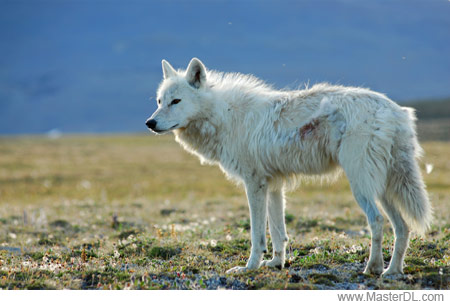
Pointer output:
202, 136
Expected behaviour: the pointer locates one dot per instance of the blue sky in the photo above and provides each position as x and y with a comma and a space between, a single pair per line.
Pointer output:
91, 66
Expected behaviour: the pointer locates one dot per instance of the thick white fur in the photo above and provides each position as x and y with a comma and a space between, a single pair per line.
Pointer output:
267, 139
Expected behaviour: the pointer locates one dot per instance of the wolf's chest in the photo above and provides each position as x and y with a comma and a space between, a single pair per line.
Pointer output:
200, 139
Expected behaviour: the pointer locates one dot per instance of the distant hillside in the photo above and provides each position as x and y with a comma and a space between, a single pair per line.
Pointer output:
433, 119
431, 109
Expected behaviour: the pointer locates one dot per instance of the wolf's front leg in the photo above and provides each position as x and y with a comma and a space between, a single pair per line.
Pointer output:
257, 199
277, 228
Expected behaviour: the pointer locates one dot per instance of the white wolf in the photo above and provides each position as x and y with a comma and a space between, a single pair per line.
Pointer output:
267, 139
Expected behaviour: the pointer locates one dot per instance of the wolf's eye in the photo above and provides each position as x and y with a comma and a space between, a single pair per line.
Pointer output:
159, 101
175, 101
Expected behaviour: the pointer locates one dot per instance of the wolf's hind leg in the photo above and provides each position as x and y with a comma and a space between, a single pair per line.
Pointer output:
366, 201
364, 158
401, 231
277, 227
375, 220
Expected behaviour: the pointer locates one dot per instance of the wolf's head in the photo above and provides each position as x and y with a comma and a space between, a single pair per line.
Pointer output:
178, 97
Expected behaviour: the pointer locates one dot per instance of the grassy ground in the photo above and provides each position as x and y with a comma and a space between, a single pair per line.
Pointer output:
138, 212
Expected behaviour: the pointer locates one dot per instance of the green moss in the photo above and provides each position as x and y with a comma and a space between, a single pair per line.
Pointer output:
126, 234
163, 252
414, 261
38, 285
46, 242
36, 255
298, 286
234, 247
289, 218
245, 224
60, 224
325, 279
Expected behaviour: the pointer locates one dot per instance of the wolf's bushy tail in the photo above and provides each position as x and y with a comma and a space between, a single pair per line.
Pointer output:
405, 186
407, 190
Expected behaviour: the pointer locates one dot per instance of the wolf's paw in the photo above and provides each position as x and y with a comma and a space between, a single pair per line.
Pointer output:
274, 263
393, 272
237, 270
374, 269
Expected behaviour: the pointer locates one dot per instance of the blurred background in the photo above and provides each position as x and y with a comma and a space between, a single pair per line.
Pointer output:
92, 66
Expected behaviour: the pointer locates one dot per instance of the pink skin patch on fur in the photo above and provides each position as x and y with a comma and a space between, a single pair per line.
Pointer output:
308, 128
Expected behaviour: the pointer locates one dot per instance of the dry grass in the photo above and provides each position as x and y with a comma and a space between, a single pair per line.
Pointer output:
139, 212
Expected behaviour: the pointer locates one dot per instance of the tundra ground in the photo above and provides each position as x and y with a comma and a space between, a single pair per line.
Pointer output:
137, 212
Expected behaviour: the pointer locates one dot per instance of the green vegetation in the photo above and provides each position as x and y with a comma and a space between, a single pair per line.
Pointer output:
137, 212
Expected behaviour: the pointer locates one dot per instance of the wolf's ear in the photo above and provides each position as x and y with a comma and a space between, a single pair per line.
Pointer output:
196, 73
168, 70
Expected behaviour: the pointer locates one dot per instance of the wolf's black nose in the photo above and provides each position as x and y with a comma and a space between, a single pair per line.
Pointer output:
151, 123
